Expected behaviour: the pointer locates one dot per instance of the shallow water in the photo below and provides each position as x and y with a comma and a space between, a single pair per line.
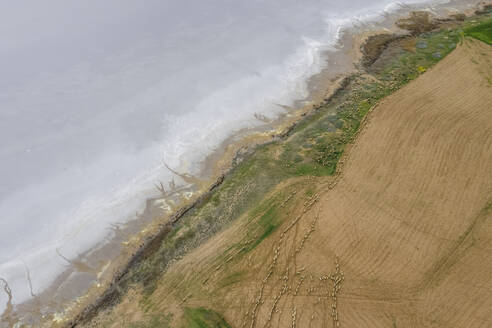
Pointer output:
96, 95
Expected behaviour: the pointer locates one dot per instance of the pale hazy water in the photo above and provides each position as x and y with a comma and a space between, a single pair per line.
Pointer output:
94, 95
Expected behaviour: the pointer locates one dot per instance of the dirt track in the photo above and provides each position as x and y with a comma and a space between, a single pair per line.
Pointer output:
408, 221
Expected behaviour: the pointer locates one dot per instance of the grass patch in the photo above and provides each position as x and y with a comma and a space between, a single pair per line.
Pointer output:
482, 31
263, 227
232, 279
204, 318
155, 321
309, 192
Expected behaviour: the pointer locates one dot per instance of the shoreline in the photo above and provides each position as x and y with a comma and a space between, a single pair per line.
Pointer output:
151, 225
230, 154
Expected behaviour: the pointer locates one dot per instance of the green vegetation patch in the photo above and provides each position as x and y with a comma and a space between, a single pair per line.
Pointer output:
482, 31
232, 278
155, 321
430, 48
264, 227
204, 318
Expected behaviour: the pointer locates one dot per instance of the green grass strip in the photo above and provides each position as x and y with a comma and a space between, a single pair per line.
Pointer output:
482, 32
